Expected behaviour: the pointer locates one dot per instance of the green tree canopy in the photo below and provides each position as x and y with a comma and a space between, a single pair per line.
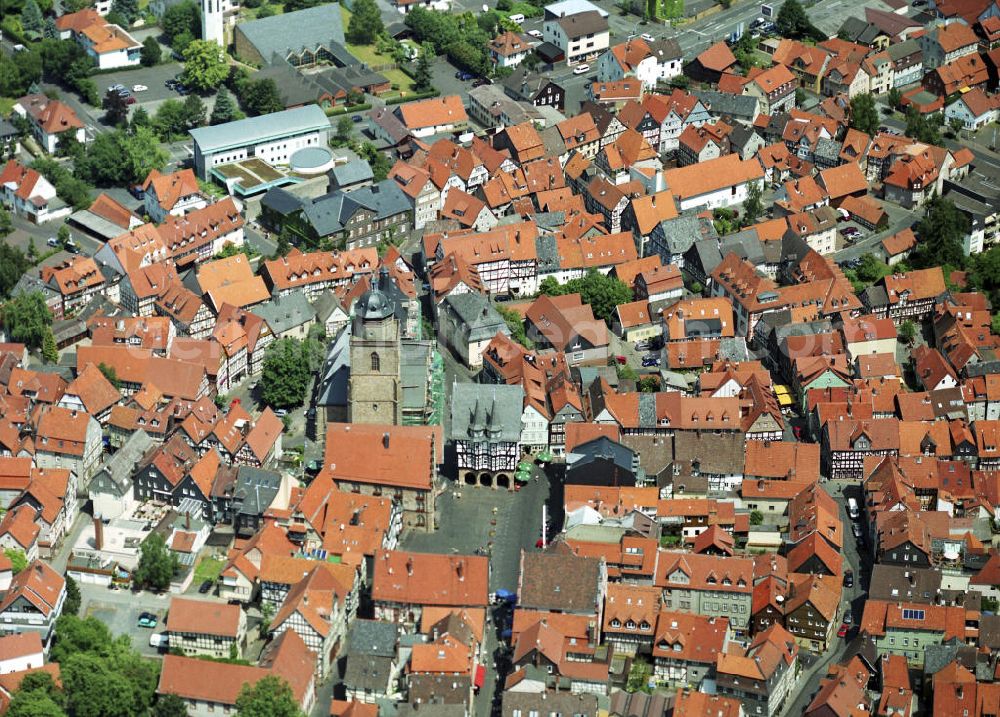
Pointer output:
260, 97
71, 189
156, 563
907, 332
37, 696
18, 560
365, 24
6, 223
13, 263
793, 22
151, 52
376, 160
27, 319
71, 605
205, 66
93, 689
864, 114
286, 374
923, 128
269, 697
753, 207
194, 111
170, 706
603, 293
50, 350
128, 9
225, 109
941, 234
122, 157
422, 78
183, 17
75, 635
32, 21
170, 121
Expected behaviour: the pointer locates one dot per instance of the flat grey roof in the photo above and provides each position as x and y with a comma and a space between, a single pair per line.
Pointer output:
260, 129
294, 31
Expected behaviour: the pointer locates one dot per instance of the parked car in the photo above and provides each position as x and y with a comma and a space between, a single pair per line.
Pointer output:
159, 639
848, 617
147, 619
648, 361
797, 432
205, 586
53, 242
621, 360
642, 346
130, 100
139, 88
850, 231
647, 37
581, 69
848, 578
116, 88
856, 529
357, 118
842, 632
537, 34
281, 413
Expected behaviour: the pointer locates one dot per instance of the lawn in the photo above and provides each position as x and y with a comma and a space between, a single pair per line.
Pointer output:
208, 569
371, 57
6, 106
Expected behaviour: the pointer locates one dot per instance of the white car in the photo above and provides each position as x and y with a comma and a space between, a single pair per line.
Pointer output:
581, 69
535, 33
647, 37
139, 88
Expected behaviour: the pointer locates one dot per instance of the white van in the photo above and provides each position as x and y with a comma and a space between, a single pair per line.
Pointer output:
852, 508
158, 639
517, 17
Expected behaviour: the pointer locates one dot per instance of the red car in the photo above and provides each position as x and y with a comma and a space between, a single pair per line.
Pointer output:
797, 432
621, 359
842, 632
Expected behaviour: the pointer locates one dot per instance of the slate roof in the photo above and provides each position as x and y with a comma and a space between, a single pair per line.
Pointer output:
724, 103
295, 31
602, 448
330, 213
372, 638
353, 172
479, 319
255, 489
283, 313
115, 476
495, 409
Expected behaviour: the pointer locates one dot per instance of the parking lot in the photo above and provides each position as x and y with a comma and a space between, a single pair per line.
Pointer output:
120, 609
153, 78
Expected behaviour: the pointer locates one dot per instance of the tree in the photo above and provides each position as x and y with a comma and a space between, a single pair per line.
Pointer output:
140, 118
205, 66
170, 706
181, 42
50, 350
871, 269
756, 517
907, 332
269, 697
50, 31
286, 374
32, 21
71, 605
69, 6
18, 560
365, 24
261, 97
922, 128
6, 224
71, 189
36, 696
27, 319
648, 384
128, 9
753, 207
225, 109
793, 22
376, 160
13, 263
151, 52
864, 114
122, 157
170, 120
93, 689
156, 563
110, 373
344, 134
194, 111
422, 79
603, 293
115, 109
941, 234
893, 97
181, 18
75, 635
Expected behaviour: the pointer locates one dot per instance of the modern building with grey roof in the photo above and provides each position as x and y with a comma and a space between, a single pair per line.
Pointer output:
353, 174
604, 462
273, 138
300, 38
467, 323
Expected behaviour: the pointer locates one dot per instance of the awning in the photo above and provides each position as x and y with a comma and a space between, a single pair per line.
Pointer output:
480, 676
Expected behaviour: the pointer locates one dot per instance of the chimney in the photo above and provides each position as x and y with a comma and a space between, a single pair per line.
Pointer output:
460, 570
98, 533
187, 521
385, 440
409, 566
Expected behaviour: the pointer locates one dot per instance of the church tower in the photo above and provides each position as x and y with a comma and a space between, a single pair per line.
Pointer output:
374, 388
212, 21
